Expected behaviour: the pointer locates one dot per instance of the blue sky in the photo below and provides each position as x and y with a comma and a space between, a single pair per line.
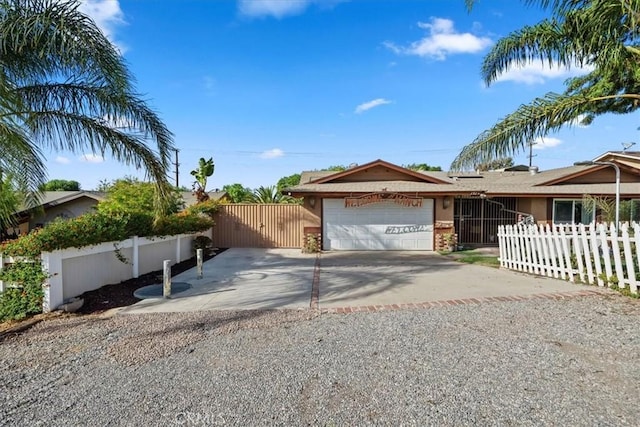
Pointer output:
269, 88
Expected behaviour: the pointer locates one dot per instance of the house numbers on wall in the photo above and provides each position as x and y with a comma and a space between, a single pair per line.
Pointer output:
406, 229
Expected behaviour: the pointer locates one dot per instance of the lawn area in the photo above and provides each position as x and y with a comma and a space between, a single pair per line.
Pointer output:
475, 256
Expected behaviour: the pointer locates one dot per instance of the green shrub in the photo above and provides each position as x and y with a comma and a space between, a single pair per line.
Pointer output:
208, 207
23, 294
85, 230
94, 228
132, 195
202, 242
181, 224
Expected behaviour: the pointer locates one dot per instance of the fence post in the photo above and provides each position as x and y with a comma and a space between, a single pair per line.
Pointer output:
617, 259
628, 257
135, 258
199, 253
593, 234
566, 248
178, 249
166, 289
606, 253
501, 244
53, 287
636, 238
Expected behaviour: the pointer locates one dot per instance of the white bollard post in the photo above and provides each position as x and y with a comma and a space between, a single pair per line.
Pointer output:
166, 289
199, 262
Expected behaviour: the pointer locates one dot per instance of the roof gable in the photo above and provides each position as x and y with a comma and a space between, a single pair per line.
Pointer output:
378, 170
596, 174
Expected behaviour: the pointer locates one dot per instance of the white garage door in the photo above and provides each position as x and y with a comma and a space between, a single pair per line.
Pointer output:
380, 226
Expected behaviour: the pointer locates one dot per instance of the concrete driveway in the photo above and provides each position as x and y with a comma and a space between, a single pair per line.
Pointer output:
242, 278
383, 278
287, 279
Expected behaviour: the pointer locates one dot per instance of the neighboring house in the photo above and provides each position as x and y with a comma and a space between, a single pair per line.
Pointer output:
57, 204
382, 206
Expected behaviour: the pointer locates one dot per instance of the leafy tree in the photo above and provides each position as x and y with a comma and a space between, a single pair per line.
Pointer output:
10, 201
270, 195
599, 34
422, 167
131, 195
61, 185
64, 86
336, 168
288, 181
504, 162
204, 170
237, 193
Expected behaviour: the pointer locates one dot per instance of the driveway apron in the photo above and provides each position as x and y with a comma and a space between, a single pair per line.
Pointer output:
383, 278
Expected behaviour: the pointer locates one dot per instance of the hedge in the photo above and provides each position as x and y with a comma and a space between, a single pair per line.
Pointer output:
94, 228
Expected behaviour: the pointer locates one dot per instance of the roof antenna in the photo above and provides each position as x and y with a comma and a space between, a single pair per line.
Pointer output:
627, 145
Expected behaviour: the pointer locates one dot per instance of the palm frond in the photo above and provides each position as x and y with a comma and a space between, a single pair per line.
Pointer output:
44, 38
527, 123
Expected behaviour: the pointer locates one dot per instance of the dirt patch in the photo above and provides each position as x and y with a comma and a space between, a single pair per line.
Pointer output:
121, 294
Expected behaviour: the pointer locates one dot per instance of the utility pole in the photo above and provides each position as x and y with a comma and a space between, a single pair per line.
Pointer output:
531, 155
177, 165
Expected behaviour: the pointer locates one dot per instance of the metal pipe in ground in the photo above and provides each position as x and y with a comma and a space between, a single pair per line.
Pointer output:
166, 288
199, 256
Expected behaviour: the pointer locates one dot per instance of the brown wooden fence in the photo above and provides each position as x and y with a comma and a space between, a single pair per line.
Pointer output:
258, 226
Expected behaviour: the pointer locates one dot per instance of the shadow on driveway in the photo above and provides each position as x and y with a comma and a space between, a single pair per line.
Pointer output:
380, 278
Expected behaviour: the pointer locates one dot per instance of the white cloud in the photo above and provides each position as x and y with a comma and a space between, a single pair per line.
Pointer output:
578, 121
275, 8
274, 153
107, 15
546, 142
442, 40
118, 122
538, 72
62, 160
91, 158
280, 8
371, 104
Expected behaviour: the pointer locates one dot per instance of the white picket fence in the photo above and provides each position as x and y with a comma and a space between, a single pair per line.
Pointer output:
596, 254
74, 271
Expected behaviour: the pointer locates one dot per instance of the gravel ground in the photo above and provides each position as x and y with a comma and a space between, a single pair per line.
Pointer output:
569, 362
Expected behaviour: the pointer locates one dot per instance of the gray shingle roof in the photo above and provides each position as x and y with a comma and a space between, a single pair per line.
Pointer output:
52, 198
493, 182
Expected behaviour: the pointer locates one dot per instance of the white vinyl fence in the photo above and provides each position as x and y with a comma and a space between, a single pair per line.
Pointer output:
596, 254
74, 271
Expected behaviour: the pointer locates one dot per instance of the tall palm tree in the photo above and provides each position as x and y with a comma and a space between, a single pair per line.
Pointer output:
270, 195
64, 86
601, 35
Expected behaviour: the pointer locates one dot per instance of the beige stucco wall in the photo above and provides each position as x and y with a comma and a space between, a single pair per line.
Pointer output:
441, 213
535, 206
67, 210
311, 215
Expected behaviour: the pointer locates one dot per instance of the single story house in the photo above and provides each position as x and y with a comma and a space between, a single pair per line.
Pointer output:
382, 206
70, 204
56, 204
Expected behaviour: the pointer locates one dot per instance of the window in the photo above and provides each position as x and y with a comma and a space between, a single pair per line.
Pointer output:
571, 212
635, 210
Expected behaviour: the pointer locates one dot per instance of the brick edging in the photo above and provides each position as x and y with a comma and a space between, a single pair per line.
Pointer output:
315, 284
461, 301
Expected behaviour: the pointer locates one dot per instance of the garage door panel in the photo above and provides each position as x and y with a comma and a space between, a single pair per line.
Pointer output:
383, 226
